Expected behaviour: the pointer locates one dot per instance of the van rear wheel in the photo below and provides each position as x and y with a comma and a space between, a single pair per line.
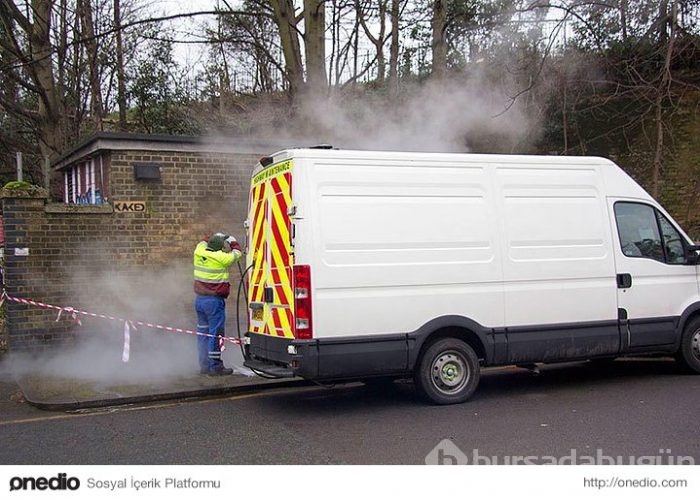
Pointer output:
448, 372
689, 352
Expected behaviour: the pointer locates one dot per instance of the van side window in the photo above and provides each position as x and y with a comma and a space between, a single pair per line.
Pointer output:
646, 233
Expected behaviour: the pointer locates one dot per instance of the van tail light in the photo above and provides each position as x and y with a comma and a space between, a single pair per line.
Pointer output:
303, 324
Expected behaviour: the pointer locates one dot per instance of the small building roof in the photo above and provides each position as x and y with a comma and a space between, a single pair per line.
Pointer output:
122, 141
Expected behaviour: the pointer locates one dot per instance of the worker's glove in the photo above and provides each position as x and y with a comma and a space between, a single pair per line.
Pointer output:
233, 244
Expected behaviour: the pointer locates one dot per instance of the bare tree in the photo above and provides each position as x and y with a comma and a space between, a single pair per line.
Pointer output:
247, 42
364, 10
27, 39
342, 39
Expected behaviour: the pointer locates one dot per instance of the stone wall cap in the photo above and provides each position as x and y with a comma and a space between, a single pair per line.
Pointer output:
28, 192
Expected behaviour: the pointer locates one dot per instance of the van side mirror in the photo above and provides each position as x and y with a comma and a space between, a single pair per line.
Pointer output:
691, 255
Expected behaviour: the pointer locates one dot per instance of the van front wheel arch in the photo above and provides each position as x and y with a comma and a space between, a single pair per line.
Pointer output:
447, 372
689, 352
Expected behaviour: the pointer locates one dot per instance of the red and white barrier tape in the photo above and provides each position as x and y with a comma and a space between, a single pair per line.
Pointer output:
128, 324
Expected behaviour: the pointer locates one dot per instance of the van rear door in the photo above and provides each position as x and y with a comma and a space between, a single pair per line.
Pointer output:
270, 251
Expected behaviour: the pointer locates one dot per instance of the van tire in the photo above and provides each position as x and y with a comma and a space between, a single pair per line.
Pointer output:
448, 372
688, 354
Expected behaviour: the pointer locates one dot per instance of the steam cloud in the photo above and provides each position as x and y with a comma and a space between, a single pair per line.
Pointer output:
448, 116
156, 357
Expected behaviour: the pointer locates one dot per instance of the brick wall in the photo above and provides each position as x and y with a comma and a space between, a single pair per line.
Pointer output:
129, 264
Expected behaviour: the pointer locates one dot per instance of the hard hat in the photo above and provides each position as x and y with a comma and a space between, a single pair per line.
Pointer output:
216, 242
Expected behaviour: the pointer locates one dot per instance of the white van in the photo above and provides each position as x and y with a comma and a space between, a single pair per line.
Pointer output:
366, 264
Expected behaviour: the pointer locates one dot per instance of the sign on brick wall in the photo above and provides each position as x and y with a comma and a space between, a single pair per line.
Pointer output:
129, 206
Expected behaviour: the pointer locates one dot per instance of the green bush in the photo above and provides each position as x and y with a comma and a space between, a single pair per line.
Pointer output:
23, 185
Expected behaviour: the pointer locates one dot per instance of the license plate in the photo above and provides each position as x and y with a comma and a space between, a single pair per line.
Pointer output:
258, 314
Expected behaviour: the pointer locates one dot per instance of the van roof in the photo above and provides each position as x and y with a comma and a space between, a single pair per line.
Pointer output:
451, 156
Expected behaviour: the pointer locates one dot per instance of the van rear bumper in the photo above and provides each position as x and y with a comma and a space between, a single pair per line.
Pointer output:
330, 359
269, 355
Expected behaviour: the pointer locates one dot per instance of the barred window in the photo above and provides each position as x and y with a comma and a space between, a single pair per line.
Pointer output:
83, 183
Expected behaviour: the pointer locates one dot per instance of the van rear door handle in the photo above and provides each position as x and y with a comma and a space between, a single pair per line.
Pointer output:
624, 280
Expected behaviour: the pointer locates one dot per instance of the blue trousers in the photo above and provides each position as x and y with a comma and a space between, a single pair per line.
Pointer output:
211, 318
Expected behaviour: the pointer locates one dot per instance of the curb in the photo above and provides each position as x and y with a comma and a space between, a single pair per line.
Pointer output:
75, 405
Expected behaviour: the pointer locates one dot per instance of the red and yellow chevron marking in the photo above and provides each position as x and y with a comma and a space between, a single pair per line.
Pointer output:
258, 246
270, 239
280, 319
280, 278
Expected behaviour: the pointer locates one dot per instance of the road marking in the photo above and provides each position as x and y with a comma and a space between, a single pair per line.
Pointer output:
93, 412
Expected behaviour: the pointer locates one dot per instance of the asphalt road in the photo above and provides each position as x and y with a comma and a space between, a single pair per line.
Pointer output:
631, 408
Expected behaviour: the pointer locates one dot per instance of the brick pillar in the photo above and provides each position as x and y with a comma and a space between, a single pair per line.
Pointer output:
28, 327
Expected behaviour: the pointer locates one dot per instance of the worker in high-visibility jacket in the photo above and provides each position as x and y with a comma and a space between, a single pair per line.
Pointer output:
212, 260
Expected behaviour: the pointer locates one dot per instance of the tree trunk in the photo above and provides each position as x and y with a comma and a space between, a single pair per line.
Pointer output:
394, 49
662, 21
623, 18
335, 42
564, 116
88, 34
121, 78
315, 43
356, 50
286, 24
62, 46
51, 132
224, 79
381, 59
439, 44
663, 93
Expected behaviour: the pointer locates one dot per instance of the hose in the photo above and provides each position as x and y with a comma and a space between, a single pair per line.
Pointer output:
241, 286
264, 375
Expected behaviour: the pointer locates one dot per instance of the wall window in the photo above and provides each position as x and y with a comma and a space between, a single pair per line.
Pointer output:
645, 232
83, 183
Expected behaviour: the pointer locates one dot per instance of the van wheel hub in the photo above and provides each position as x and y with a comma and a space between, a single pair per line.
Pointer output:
695, 344
450, 372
